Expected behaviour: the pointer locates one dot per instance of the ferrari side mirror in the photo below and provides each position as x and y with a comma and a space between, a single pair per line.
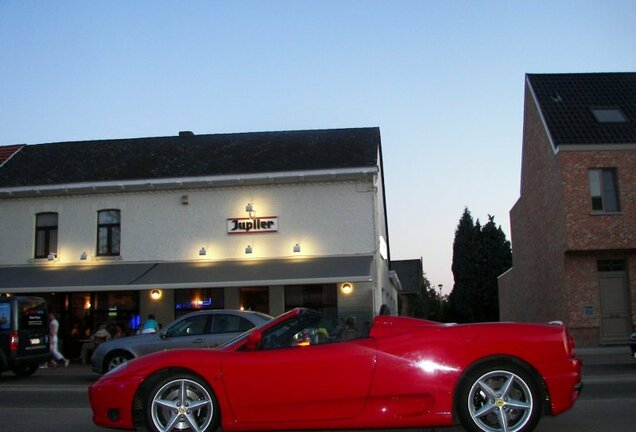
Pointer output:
253, 341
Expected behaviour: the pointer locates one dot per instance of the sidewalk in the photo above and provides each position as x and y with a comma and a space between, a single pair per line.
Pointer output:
74, 368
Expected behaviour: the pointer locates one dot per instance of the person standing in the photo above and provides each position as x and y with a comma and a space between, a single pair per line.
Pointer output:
151, 325
54, 326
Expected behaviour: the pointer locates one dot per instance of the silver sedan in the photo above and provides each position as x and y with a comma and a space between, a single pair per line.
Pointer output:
204, 329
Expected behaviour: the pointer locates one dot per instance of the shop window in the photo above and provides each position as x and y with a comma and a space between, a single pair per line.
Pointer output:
255, 299
108, 232
120, 307
321, 298
45, 235
604, 190
190, 300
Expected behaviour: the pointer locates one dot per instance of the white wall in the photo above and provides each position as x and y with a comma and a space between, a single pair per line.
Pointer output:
324, 218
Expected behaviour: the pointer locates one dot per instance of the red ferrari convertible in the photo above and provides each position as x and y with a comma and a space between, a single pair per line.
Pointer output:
291, 374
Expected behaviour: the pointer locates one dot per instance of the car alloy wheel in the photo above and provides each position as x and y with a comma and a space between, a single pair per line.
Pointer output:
182, 403
117, 359
504, 399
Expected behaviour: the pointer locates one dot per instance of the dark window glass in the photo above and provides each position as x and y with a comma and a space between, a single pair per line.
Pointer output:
191, 326
609, 115
611, 265
45, 234
108, 233
321, 298
225, 323
604, 190
32, 314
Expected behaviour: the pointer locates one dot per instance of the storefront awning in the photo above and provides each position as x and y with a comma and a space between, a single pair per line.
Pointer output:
190, 274
53, 277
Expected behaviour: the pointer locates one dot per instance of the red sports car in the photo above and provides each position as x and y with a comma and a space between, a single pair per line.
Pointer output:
291, 374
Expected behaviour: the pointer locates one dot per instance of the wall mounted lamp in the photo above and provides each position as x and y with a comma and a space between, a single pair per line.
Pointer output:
155, 294
248, 249
346, 288
203, 251
84, 256
51, 256
249, 208
296, 248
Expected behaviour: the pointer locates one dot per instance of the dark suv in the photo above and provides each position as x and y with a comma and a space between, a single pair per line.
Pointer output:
24, 334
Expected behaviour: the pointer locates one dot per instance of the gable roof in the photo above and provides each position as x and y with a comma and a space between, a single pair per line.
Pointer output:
566, 102
191, 156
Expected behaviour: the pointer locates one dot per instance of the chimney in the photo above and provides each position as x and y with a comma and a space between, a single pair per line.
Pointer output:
185, 133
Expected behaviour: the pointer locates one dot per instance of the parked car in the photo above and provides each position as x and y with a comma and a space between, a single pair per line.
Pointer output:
203, 329
24, 334
632, 344
406, 373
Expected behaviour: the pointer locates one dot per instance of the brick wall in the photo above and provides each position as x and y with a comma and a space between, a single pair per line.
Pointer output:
557, 240
531, 290
588, 231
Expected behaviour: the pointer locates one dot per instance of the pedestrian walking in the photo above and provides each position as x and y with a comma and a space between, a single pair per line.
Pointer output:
54, 326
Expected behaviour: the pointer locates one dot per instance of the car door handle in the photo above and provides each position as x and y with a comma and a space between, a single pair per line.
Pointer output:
198, 340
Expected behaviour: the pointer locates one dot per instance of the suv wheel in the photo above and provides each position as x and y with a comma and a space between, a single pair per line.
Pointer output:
24, 370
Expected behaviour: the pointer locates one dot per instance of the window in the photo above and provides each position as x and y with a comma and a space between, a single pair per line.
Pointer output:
108, 232
45, 234
191, 326
609, 115
604, 190
189, 300
225, 323
611, 265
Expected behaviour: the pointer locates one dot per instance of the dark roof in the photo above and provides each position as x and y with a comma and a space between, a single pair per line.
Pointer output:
567, 100
189, 155
410, 274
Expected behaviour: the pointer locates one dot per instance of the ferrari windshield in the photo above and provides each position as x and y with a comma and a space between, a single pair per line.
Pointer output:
301, 327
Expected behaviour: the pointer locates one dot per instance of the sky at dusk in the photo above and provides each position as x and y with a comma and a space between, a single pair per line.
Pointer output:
443, 80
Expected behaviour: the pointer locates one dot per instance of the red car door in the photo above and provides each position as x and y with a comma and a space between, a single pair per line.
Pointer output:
317, 382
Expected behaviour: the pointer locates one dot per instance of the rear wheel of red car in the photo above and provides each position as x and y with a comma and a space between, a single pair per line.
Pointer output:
498, 398
181, 402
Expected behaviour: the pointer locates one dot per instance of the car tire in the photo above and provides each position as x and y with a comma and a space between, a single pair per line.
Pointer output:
498, 397
25, 370
181, 402
115, 359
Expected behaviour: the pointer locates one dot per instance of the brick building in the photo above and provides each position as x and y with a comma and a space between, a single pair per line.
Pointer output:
573, 228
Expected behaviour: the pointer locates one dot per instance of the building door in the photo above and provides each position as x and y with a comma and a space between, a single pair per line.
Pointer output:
616, 322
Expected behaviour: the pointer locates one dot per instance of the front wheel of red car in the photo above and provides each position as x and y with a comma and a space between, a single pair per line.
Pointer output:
181, 402
499, 398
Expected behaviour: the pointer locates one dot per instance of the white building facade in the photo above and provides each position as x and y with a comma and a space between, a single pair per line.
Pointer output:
304, 231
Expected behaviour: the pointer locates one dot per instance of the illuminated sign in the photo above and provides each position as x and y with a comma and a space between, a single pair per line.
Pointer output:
195, 304
252, 226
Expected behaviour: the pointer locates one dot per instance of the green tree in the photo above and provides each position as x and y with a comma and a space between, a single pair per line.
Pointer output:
463, 295
496, 257
480, 255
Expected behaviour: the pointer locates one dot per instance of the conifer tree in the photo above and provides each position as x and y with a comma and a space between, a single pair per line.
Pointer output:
480, 255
